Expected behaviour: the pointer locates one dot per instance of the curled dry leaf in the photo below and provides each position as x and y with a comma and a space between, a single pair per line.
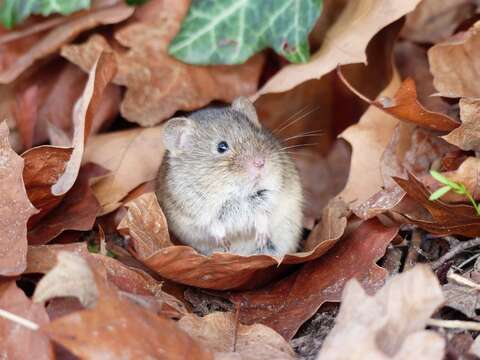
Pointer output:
17, 341
157, 84
467, 136
103, 70
60, 35
287, 304
453, 64
148, 335
344, 43
461, 297
389, 325
15, 209
253, 342
119, 152
433, 21
442, 218
145, 225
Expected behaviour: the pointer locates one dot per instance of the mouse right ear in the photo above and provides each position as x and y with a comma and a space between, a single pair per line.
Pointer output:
177, 135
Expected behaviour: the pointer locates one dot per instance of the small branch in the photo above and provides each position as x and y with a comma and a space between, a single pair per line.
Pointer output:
413, 250
454, 324
463, 280
19, 320
464, 245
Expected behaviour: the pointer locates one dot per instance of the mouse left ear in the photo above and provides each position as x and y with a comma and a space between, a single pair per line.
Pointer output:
177, 135
246, 107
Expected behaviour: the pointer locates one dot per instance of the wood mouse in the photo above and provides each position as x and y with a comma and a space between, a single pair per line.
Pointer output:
226, 185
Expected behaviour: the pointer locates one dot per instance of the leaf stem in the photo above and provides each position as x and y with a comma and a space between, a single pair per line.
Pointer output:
19, 320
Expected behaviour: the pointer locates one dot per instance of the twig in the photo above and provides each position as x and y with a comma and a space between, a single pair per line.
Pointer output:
351, 88
413, 250
19, 320
463, 280
455, 251
454, 324
235, 330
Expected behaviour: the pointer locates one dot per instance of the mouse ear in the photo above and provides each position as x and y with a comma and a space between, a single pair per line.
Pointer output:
246, 107
177, 135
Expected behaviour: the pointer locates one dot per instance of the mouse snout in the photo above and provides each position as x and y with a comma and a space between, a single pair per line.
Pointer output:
255, 165
258, 161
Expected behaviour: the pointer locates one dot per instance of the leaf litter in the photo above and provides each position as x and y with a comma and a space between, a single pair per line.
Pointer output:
86, 246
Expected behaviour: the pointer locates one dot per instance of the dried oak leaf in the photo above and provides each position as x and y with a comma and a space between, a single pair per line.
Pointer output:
17, 341
141, 333
433, 21
443, 218
462, 298
252, 342
119, 152
77, 210
344, 43
15, 209
467, 135
102, 71
454, 64
157, 84
53, 40
390, 324
145, 225
287, 304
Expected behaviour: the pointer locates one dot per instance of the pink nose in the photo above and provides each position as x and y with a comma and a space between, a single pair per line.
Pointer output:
259, 162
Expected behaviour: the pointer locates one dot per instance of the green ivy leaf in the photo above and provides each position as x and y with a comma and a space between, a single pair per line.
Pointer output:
13, 12
439, 193
230, 31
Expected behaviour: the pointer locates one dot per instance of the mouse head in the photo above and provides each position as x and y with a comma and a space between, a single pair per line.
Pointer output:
225, 145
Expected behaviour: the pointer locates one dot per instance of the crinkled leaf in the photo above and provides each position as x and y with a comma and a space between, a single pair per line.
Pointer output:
13, 12
230, 31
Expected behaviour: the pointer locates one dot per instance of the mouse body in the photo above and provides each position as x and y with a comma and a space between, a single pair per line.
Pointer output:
226, 185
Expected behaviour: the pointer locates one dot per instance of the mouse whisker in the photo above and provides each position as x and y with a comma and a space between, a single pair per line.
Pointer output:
300, 145
302, 136
293, 116
296, 120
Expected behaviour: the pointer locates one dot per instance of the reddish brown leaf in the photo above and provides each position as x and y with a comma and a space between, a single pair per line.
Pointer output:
77, 210
18, 342
26, 110
467, 136
154, 336
62, 34
146, 226
102, 72
15, 209
286, 305
157, 84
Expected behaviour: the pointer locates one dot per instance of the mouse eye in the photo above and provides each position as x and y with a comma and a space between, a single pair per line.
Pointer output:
222, 147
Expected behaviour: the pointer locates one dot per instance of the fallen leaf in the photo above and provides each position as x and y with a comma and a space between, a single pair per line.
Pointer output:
26, 115
17, 341
389, 325
15, 209
433, 21
158, 85
344, 43
287, 304
119, 152
77, 210
102, 72
462, 298
60, 35
453, 64
155, 336
253, 342
467, 136
145, 226
475, 349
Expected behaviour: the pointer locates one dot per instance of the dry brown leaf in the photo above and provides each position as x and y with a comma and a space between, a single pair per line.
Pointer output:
103, 70
454, 64
287, 304
16, 341
157, 84
62, 34
389, 325
467, 136
153, 336
433, 21
462, 298
253, 342
119, 152
145, 225
344, 43
25, 112
15, 209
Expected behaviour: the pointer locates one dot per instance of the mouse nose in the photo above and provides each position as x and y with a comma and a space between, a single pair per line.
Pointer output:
259, 162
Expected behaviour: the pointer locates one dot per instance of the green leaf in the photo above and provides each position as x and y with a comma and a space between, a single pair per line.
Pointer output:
13, 12
442, 179
230, 31
439, 193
